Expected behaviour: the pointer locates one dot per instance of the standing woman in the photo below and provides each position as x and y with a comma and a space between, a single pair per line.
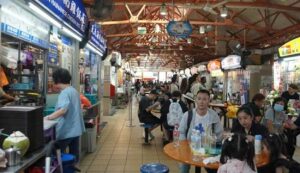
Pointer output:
67, 113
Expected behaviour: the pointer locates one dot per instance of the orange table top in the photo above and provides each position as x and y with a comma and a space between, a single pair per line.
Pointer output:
183, 154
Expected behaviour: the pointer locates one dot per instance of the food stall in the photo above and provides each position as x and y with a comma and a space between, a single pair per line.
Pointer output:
243, 82
287, 65
217, 80
23, 52
286, 70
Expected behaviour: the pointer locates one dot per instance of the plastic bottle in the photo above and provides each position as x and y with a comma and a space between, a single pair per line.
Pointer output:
257, 144
176, 135
193, 139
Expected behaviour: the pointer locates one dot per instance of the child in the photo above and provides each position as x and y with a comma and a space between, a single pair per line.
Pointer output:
237, 155
278, 161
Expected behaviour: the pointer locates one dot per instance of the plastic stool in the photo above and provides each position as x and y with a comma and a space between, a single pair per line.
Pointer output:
154, 168
146, 129
68, 162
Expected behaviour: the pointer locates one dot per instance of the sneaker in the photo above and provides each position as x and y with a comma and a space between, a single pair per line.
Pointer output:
151, 137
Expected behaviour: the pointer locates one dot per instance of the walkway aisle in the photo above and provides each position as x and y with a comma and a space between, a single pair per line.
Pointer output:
120, 148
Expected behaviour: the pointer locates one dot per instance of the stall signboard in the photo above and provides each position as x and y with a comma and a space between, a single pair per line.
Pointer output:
213, 65
96, 36
290, 48
71, 12
20, 23
179, 29
231, 62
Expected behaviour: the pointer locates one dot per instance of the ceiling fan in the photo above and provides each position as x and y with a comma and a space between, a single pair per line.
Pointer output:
210, 8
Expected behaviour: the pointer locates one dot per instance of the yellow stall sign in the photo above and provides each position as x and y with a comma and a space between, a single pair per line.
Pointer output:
290, 48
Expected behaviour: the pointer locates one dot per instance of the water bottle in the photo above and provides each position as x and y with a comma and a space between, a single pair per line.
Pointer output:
257, 144
176, 135
196, 144
193, 140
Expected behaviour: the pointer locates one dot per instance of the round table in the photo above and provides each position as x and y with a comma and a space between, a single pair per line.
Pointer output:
183, 154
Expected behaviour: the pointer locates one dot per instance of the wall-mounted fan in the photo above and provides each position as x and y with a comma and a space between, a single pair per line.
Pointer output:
210, 8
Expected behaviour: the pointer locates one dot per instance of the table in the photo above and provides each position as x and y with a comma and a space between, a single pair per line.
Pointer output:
183, 154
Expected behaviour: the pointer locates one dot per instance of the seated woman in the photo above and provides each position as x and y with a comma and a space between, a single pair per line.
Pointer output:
275, 116
246, 124
278, 160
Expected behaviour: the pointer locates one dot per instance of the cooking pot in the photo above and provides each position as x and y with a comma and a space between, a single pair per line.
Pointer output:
13, 156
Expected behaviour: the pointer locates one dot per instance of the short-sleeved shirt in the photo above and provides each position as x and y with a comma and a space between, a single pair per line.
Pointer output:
71, 124
255, 109
143, 105
276, 118
1, 92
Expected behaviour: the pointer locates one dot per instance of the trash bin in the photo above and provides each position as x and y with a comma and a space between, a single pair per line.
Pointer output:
91, 132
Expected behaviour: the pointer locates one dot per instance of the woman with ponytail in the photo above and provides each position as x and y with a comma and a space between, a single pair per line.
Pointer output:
237, 155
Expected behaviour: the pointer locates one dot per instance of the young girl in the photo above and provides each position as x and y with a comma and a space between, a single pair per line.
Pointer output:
237, 155
274, 147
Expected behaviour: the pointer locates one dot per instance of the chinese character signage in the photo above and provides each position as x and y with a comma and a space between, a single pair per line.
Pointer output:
179, 29
71, 12
20, 23
96, 36
290, 48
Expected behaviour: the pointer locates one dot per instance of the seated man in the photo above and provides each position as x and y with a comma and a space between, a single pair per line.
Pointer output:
144, 112
165, 110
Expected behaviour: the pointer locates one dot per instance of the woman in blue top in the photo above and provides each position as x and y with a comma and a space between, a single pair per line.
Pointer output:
70, 124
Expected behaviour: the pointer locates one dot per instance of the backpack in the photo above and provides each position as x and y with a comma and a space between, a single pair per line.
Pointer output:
175, 113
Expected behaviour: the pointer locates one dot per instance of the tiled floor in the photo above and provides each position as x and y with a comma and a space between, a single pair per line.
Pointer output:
120, 148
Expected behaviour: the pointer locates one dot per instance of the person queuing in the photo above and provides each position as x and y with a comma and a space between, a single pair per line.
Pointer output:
246, 124
201, 114
70, 124
147, 104
237, 155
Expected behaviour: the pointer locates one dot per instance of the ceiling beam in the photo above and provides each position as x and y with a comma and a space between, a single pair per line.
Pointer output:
242, 5
227, 22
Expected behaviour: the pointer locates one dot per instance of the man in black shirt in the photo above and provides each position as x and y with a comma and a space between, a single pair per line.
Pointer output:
145, 107
291, 93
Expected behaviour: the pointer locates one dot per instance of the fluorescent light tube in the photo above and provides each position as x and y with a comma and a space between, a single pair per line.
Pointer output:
92, 48
44, 15
71, 33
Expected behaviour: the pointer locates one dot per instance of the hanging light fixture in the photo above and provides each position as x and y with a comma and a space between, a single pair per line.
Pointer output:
202, 30
180, 47
157, 28
189, 40
224, 12
163, 10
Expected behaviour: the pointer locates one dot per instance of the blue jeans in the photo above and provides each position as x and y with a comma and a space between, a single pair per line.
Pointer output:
72, 143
